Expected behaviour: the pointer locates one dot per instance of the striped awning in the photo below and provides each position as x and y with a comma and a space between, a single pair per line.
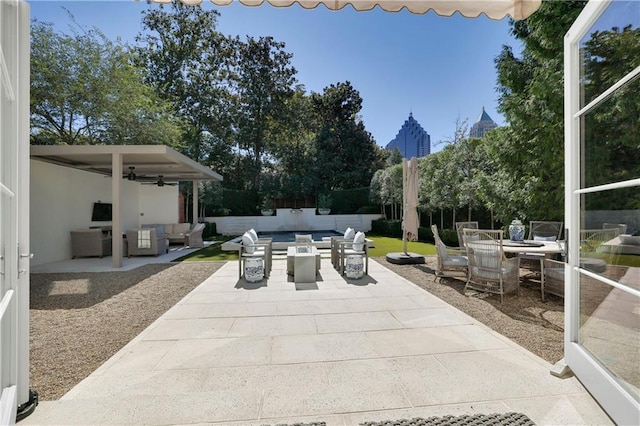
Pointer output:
494, 9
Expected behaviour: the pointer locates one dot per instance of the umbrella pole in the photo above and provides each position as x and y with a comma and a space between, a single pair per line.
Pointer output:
405, 173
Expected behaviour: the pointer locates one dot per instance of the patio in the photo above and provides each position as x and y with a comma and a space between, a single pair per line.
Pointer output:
341, 351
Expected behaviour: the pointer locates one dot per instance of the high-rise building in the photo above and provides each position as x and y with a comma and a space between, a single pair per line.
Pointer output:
412, 140
483, 124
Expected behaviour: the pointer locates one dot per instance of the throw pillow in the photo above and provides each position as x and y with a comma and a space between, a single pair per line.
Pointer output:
253, 234
542, 238
349, 233
248, 243
358, 242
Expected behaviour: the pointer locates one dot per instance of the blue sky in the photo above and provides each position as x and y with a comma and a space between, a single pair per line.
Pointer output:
439, 68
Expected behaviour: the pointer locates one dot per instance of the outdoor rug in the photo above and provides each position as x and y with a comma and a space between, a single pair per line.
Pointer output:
505, 419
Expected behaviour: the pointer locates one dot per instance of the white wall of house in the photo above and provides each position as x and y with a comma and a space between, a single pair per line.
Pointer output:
62, 200
292, 220
158, 204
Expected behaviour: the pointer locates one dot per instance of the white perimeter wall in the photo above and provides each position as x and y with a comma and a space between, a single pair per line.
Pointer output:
62, 199
292, 220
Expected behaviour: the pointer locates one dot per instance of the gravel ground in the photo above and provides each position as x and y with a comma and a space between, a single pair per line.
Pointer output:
78, 321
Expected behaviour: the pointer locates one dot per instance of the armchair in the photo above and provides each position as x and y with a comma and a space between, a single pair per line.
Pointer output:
459, 228
146, 242
359, 245
252, 246
348, 235
193, 238
489, 269
90, 242
448, 259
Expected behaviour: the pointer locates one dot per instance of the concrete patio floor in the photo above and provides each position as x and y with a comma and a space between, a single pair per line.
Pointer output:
340, 351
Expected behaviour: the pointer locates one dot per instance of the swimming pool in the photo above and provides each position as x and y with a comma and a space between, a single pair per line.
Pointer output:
290, 236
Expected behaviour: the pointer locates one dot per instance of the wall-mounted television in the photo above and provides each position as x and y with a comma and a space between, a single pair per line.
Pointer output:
101, 212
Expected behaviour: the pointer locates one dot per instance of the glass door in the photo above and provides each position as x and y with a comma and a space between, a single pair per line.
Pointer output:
15, 396
8, 242
602, 201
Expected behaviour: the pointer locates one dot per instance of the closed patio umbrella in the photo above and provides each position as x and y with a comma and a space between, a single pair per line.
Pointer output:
410, 221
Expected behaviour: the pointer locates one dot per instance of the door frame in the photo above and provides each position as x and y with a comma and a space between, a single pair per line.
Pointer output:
617, 401
14, 220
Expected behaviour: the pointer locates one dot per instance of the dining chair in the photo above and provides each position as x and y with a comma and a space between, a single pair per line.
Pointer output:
622, 227
540, 231
462, 225
449, 259
553, 278
489, 269
545, 230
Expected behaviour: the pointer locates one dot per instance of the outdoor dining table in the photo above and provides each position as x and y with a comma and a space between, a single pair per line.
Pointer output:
541, 248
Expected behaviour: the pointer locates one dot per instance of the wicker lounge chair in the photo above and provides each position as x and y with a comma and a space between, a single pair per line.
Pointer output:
449, 259
489, 269
90, 242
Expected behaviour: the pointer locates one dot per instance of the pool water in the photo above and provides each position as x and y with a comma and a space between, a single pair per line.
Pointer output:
290, 236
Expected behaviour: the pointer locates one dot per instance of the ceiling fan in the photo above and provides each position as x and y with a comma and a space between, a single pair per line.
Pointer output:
131, 175
160, 182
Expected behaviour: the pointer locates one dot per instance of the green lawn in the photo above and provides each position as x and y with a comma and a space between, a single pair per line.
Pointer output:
383, 245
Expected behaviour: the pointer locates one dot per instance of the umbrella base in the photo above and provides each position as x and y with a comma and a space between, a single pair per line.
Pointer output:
404, 258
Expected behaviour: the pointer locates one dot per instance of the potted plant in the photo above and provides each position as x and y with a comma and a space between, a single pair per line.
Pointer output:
324, 203
266, 208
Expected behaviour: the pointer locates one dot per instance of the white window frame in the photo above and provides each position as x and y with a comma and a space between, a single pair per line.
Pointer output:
14, 219
617, 402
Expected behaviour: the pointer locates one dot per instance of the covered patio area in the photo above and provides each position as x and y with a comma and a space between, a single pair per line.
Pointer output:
64, 205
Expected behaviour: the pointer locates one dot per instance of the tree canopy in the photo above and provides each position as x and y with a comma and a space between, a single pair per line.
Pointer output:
85, 90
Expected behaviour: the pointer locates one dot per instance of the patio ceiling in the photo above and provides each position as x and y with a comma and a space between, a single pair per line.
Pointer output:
150, 161
494, 9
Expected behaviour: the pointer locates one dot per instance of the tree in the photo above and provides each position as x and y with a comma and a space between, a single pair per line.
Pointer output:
529, 154
612, 138
264, 81
375, 190
395, 157
188, 63
84, 90
294, 154
440, 182
346, 154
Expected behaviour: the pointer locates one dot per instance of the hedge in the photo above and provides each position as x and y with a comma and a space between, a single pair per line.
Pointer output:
349, 201
393, 228
240, 203
209, 230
